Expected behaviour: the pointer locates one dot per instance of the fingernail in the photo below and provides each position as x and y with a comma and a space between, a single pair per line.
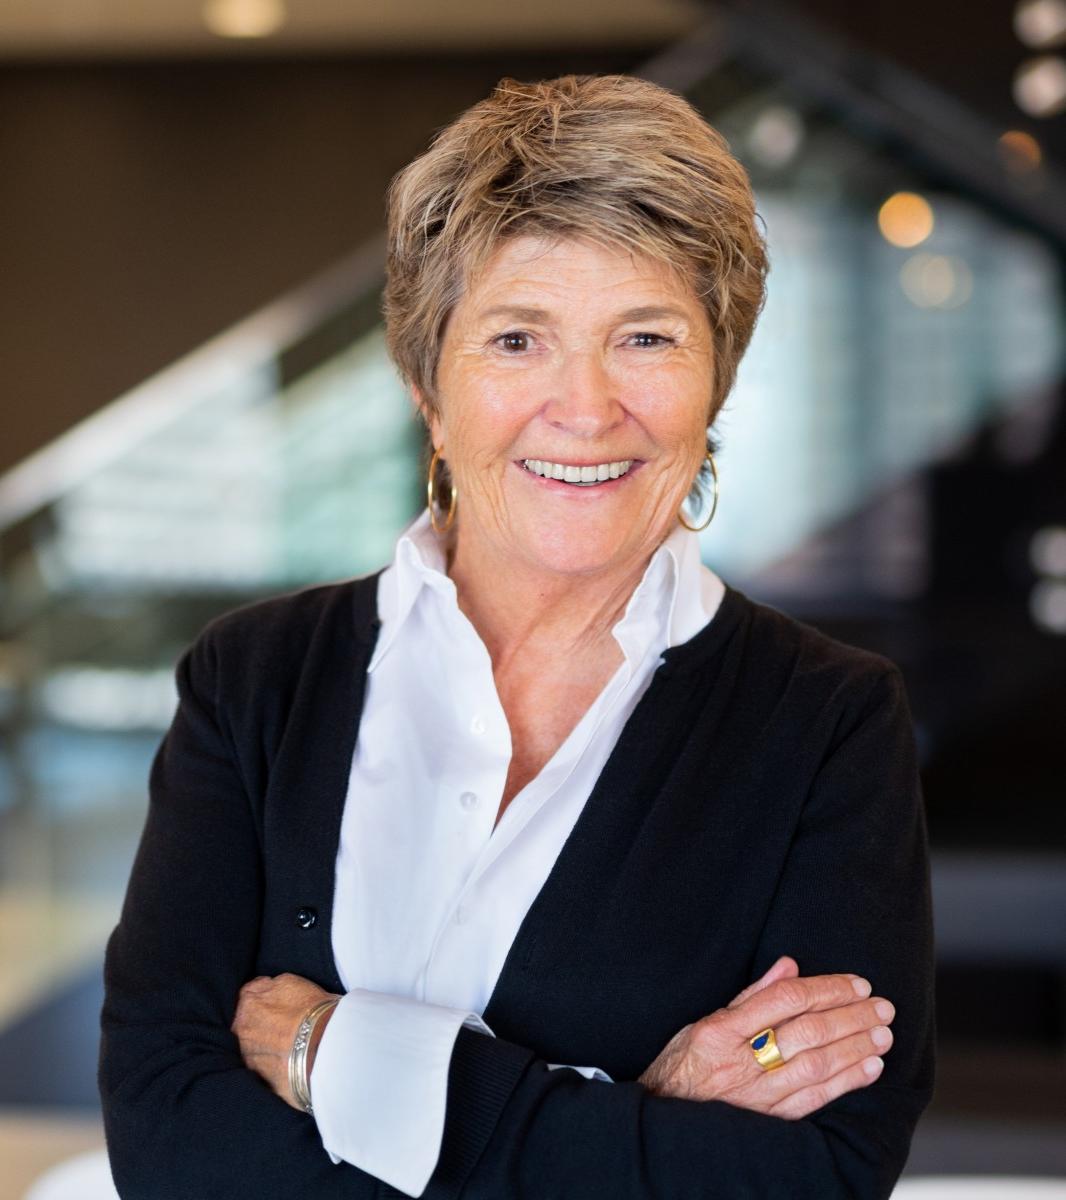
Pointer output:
881, 1036
872, 1067
862, 988
884, 1010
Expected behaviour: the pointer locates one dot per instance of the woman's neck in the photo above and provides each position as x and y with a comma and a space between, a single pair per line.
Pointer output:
519, 609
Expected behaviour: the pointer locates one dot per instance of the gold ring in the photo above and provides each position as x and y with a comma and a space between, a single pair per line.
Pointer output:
764, 1047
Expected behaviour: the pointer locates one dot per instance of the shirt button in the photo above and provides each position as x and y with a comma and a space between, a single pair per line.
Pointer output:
477, 725
306, 918
460, 915
468, 800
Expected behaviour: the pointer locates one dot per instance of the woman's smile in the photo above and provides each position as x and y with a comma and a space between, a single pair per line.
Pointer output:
574, 479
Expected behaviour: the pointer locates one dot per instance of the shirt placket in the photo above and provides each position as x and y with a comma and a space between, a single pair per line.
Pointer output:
472, 781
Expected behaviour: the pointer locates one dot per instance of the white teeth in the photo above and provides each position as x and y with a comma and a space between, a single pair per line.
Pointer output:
582, 476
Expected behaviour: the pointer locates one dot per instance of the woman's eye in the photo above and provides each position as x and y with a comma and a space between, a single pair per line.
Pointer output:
652, 339
515, 340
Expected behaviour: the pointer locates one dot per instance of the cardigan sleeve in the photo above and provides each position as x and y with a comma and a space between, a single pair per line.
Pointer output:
853, 895
184, 1118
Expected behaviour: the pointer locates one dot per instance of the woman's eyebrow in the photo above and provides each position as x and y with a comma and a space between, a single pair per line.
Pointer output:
653, 312
515, 312
646, 312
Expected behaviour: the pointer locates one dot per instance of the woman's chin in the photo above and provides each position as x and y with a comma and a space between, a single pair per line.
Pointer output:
572, 552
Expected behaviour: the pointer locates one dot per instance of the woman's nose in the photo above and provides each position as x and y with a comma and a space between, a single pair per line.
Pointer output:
584, 398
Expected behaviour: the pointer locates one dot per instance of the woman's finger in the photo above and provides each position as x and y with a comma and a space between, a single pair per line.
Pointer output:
822, 1028
812, 1070
788, 998
814, 1067
807, 1100
784, 968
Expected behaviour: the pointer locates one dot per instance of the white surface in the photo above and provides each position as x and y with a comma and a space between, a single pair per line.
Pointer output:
85, 1177
983, 1187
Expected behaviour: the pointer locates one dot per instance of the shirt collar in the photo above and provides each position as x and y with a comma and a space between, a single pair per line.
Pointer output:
418, 561
676, 596
697, 589
674, 600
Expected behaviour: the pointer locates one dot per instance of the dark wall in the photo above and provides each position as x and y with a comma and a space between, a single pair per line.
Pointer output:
969, 51
146, 207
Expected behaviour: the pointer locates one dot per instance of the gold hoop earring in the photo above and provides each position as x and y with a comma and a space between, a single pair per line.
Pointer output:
430, 498
714, 502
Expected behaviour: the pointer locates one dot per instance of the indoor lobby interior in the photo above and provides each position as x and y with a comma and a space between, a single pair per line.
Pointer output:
197, 410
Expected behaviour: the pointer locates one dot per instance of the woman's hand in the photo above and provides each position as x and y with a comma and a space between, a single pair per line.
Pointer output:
828, 1030
269, 1011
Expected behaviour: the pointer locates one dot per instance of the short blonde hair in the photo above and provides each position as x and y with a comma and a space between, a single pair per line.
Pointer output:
610, 158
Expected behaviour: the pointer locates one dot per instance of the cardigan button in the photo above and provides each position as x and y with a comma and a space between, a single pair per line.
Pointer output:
306, 918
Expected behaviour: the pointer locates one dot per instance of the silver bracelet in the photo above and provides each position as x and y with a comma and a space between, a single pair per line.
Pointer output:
299, 1084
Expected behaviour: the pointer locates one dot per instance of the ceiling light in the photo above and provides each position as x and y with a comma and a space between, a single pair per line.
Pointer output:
1019, 151
244, 18
1047, 551
1040, 86
1047, 605
905, 219
936, 281
1041, 23
776, 135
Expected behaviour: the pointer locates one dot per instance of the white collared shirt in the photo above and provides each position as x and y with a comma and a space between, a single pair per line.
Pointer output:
429, 896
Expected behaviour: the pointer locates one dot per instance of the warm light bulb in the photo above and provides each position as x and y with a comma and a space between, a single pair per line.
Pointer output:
1040, 86
1041, 23
905, 219
244, 18
1020, 151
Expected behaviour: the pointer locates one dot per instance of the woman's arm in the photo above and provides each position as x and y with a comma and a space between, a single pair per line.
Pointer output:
184, 1118
394, 1132
853, 897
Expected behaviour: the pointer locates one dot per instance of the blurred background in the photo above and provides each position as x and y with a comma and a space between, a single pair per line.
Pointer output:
196, 410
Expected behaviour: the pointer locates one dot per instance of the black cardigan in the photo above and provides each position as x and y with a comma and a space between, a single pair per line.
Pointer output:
763, 799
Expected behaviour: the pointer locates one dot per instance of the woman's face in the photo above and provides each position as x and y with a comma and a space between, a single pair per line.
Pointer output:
570, 359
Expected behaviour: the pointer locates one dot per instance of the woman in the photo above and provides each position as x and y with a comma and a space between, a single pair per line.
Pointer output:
455, 878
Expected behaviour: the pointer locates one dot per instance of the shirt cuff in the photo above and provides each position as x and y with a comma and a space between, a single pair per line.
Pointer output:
588, 1072
380, 1082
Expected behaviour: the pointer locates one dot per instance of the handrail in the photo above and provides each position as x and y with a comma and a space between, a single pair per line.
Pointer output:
260, 338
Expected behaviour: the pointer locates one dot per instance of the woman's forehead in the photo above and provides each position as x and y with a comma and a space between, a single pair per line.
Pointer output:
531, 272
